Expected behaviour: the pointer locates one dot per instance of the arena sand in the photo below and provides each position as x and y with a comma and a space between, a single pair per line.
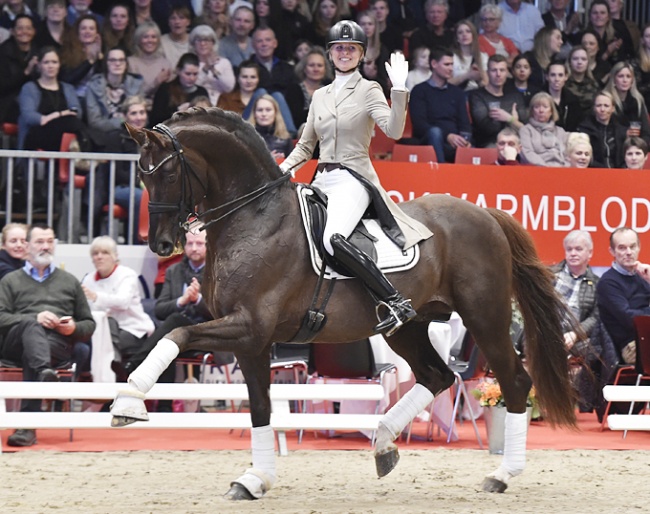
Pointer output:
448, 481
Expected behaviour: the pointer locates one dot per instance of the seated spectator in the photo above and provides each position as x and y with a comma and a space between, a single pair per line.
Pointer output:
561, 15
49, 108
215, 15
508, 147
520, 81
623, 292
376, 56
118, 28
238, 45
106, 93
641, 65
18, 62
276, 75
12, 10
115, 290
581, 82
82, 56
492, 108
290, 25
548, 43
43, 311
268, 122
635, 151
215, 72
148, 60
469, 62
420, 67
578, 150
439, 110
434, 33
325, 14
543, 143
54, 30
248, 80
177, 42
14, 248
617, 14
520, 22
614, 40
300, 49
490, 41
599, 68
78, 8
605, 133
631, 110
176, 95
567, 104
395, 26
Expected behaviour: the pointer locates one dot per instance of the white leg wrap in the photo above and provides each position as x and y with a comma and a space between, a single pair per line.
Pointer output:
514, 449
404, 411
147, 373
261, 477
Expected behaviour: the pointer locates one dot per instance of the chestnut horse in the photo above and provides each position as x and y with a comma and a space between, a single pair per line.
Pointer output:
259, 283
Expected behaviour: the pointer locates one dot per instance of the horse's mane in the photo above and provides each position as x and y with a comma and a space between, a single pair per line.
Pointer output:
228, 122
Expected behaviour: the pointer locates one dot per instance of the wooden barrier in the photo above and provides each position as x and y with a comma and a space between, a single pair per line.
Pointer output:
638, 394
281, 418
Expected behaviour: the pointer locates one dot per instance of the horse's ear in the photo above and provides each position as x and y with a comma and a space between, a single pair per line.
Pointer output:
138, 135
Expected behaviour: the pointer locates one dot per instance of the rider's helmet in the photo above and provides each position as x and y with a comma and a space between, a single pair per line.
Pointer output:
347, 31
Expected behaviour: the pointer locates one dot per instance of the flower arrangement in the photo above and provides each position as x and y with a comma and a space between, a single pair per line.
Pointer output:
488, 393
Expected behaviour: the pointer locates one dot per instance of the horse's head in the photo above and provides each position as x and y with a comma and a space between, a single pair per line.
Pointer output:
175, 186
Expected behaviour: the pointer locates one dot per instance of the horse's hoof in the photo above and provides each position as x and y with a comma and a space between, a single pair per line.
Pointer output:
128, 407
122, 421
386, 460
492, 485
238, 492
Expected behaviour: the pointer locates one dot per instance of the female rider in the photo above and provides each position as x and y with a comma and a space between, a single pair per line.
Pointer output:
341, 118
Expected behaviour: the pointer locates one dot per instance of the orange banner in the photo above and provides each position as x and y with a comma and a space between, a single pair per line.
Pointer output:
549, 202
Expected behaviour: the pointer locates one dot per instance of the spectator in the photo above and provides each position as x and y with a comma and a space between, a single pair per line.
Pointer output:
548, 43
215, 15
290, 26
599, 68
520, 22
434, 33
614, 40
376, 56
78, 8
543, 143
631, 110
176, 95
107, 91
392, 35
177, 42
12, 9
624, 292
325, 15
579, 150
115, 290
18, 61
635, 152
268, 122
215, 72
48, 108
43, 311
248, 81
238, 45
616, 12
508, 147
420, 67
14, 248
490, 41
492, 108
300, 49
520, 81
54, 30
439, 110
262, 10
560, 15
581, 82
605, 132
469, 62
641, 65
314, 72
566, 103
118, 28
148, 60
82, 57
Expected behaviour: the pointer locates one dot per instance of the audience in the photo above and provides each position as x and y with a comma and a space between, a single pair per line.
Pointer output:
14, 248
118, 28
543, 143
562, 16
325, 15
215, 72
548, 43
248, 81
12, 10
581, 82
377, 55
290, 25
148, 60
641, 65
614, 40
177, 41
393, 29
491, 41
520, 22
215, 15
54, 30
579, 150
238, 45
469, 62
508, 147
599, 68
520, 81
78, 8
268, 122
420, 67
635, 152
434, 33
631, 110
566, 103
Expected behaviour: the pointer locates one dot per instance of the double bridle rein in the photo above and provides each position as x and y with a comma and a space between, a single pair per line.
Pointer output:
193, 217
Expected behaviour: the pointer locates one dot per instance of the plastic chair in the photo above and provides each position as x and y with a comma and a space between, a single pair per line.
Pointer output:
468, 155
642, 327
381, 146
292, 357
414, 153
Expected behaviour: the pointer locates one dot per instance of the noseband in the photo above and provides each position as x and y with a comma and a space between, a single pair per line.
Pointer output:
193, 218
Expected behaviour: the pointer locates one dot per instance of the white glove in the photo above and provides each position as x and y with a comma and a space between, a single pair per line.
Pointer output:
398, 70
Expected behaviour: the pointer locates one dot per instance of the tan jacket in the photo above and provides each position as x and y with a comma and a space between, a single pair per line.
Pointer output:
343, 125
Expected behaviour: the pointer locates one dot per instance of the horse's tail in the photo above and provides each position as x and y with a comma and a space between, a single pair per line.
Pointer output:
542, 312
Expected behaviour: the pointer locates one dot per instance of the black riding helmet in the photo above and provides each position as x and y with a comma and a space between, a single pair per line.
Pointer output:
347, 31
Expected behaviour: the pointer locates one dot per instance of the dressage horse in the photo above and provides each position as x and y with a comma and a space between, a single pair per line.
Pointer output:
258, 284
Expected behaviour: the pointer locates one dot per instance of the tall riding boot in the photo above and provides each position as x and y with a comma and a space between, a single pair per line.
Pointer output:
365, 269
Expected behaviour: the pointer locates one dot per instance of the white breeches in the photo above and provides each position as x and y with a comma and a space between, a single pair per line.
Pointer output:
347, 200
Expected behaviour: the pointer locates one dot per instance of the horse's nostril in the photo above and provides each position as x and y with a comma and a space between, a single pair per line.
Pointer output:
164, 248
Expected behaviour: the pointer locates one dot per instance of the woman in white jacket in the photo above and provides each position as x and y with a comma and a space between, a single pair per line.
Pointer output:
542, 142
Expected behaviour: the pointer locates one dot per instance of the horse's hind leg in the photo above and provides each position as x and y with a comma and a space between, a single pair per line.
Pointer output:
432, 377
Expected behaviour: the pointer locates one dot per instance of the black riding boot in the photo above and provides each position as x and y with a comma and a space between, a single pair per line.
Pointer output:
365, 269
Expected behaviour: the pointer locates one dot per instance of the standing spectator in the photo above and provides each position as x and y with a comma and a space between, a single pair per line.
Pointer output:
43, 311
268, 122
635, 152
118, 28
215, 15
439, 110
14, 248
434, 33
641, 65
469, 62
376, 56
215, 72
492, 108
520, 81
581, 82
290, 26
325, 15
82, 57
605, 133
631, 110
548, 43
391, 34
78, 8
579, 151
177, 41
490, 41
520, 22
614, 40
54, 30
420, 67
106, 92
148, 60
12, 9
599, 68
567, 104
238, 45
542, 142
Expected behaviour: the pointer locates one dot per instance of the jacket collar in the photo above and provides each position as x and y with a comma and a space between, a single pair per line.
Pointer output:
331, 99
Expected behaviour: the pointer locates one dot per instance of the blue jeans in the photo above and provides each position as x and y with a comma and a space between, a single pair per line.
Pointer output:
436, 138
122, 194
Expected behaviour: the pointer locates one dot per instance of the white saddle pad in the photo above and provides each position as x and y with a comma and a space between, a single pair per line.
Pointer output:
390, 257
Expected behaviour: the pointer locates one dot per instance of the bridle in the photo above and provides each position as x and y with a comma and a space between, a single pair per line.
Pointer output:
194, 218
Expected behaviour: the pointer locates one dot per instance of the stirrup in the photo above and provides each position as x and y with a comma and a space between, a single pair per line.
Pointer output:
399, 312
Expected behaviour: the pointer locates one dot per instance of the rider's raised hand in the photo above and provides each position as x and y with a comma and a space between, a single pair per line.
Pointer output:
398, 71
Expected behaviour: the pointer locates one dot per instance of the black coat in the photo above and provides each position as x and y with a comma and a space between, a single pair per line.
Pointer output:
606, 142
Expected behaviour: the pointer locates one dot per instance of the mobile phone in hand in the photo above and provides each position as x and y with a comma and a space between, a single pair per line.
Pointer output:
65, 319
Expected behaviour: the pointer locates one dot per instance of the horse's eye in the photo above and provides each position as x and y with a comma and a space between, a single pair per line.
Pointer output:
171, 178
